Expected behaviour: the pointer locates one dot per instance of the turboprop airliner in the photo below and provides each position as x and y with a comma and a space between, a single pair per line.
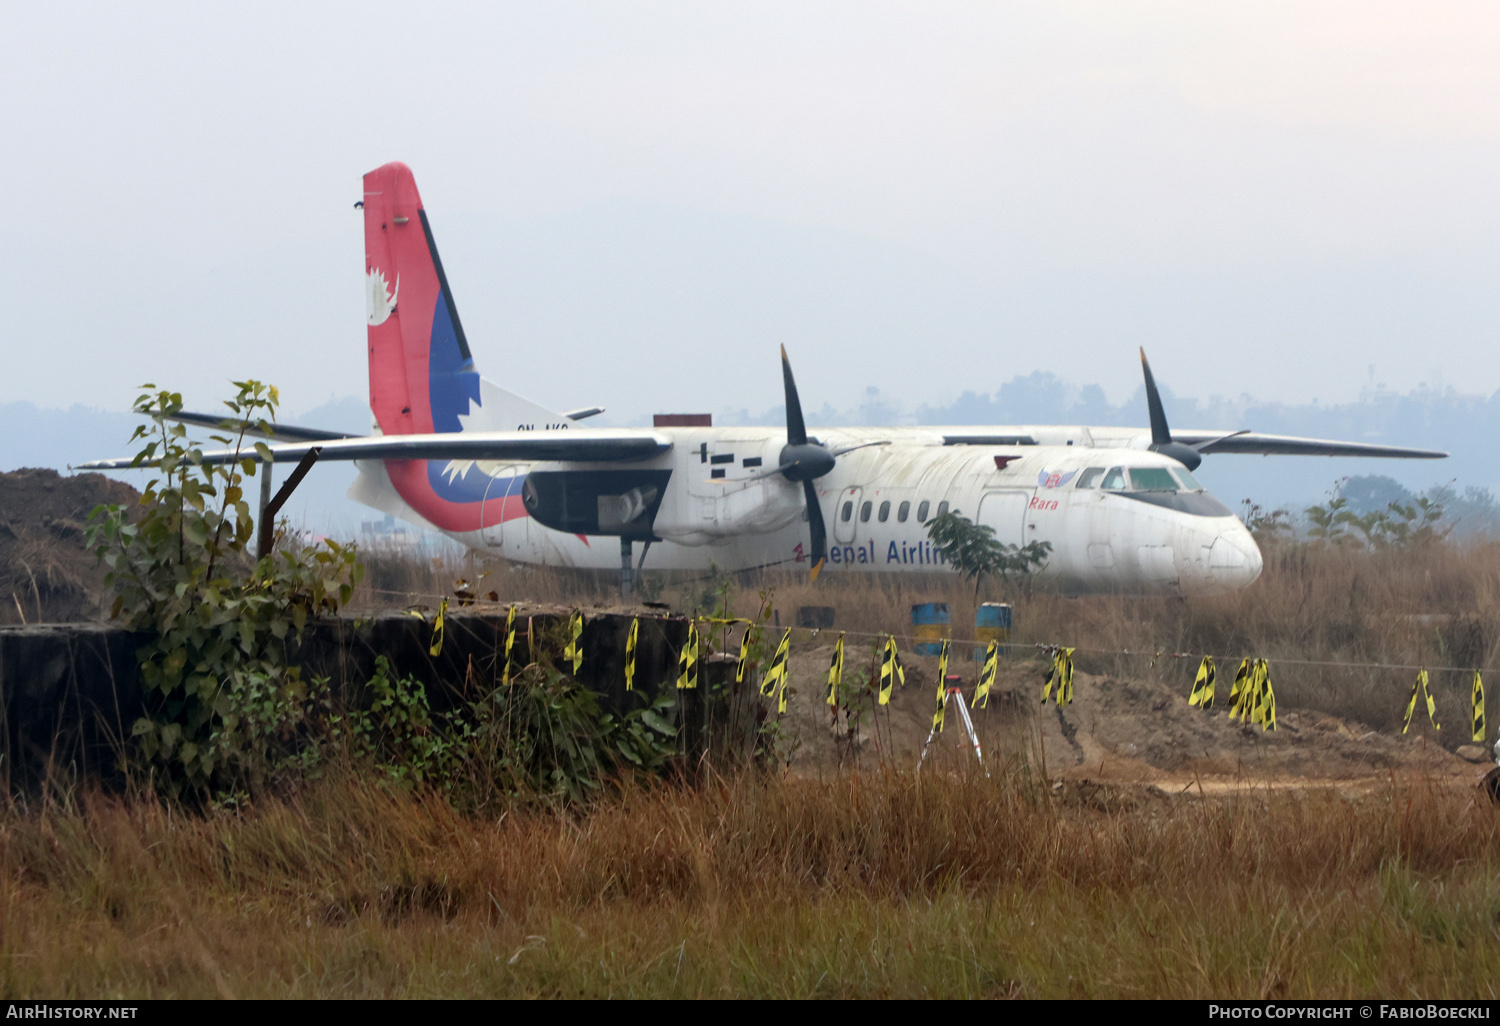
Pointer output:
456, 453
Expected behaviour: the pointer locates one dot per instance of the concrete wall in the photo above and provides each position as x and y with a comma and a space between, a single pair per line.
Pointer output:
69, 692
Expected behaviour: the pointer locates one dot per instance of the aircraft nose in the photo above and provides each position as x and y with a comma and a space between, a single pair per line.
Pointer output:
1234, 559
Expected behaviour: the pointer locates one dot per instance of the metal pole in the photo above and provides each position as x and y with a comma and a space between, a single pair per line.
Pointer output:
268, 514
265, 500
625, 568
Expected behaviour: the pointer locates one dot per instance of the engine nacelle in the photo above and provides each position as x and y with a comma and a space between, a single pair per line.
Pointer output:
622, 503
737, 508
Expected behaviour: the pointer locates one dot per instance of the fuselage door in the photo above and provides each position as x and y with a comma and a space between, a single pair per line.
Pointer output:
1006, 513
846, 515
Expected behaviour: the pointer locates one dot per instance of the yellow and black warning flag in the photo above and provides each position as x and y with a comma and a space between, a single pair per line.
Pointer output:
573, 653
987, 677
891, 670
1239, 692
1476, 695
1060, 674
836, 670
687, 658
1263, 696
438, 629
743, 664
775, 680
942, 688
630, 640
1203, 684
510, 642
1420, 684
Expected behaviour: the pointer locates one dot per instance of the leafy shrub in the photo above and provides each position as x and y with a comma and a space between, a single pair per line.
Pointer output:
1409, 525
974, 551
222, 706
543, 736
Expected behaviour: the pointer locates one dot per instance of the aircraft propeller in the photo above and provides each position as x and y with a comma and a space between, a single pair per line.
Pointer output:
1161, 435
803, 460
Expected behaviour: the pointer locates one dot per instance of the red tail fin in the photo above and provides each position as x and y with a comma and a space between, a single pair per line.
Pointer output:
421, 374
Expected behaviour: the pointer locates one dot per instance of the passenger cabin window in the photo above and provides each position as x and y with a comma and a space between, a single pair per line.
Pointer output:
1189, 482
902, 511
1114, 480
922, 512
864, 513
885, 511
846, 512
1090, 478
942, 508
1152, 479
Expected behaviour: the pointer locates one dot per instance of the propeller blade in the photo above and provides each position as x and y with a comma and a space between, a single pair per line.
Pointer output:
862, 445
796, 430
816, 527
1202, 446
1160, 433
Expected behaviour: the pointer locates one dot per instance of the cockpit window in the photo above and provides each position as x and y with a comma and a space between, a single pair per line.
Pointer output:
1152, 479
1114, 480
1189, 482
1090, 478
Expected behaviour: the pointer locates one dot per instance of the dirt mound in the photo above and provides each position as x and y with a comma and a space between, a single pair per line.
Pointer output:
47, 573
1116, 730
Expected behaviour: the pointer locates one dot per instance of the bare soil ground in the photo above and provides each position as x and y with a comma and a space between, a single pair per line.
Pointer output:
1115, 730
47, 573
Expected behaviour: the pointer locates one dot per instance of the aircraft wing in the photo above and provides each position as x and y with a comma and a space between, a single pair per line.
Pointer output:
604, 445
1288, 445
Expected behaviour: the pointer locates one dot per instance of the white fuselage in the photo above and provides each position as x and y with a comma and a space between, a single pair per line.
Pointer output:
876, 501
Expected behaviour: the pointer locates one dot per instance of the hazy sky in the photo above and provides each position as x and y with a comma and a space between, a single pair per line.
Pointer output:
637, 202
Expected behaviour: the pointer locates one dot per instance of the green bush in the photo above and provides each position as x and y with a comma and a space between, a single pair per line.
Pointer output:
974, 551
223, 708
543, 736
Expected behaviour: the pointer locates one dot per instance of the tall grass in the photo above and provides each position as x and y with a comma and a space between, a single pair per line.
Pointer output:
854, 885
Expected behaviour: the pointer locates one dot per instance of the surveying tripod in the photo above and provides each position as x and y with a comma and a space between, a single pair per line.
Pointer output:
952, 692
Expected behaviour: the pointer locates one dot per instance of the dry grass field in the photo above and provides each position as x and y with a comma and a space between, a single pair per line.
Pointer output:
852, 885
1247, 874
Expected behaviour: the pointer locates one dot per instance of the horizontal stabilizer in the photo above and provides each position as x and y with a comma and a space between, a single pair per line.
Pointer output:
601, 446
283, 432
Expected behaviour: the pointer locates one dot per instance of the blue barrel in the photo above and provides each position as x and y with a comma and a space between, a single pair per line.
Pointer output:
992, 622
930, 624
